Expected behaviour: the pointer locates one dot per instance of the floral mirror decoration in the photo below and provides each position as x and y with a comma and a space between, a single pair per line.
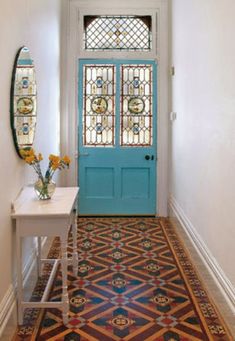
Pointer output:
23, 101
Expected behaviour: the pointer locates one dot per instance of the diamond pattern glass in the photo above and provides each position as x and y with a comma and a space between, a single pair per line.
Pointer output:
117, 33
136, 105
99, 105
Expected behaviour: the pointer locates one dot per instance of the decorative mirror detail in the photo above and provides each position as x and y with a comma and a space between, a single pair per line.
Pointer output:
23, 106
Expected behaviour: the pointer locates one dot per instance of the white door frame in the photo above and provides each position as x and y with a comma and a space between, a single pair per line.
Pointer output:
72, 50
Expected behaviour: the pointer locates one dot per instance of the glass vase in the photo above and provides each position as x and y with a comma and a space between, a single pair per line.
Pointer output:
44, 189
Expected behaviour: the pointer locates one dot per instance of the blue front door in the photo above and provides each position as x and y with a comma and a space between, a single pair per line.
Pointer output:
117, 137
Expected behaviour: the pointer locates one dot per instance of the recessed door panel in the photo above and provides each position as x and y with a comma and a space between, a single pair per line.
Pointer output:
99, 183
135, 183
117, 137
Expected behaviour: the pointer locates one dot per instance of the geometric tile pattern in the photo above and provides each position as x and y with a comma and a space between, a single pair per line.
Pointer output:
135, 282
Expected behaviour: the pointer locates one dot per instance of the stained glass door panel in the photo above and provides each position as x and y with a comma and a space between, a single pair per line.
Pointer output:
136, 105
117, 137
99, 105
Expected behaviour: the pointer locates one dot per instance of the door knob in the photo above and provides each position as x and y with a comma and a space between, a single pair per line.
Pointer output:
147, 157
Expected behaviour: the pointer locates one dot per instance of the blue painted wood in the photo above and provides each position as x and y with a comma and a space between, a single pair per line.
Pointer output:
117, 180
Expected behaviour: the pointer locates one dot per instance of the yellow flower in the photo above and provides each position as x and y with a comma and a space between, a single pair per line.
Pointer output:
29, 159
66, 160
55, 162
31, 152
27, 152
40, 158
54, 158
55, 165
51, 157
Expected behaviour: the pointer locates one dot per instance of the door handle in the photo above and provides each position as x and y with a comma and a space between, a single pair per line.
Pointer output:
149, 157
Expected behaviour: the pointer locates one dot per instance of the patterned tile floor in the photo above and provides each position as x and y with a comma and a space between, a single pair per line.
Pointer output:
135, 282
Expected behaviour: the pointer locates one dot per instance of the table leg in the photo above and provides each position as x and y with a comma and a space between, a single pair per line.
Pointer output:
19, 277
75, 251
64, 266
39, 257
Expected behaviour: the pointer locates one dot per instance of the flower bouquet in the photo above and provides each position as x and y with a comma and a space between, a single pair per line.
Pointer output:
44, 186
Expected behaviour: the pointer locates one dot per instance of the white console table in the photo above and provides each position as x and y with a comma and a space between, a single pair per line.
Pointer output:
41, 218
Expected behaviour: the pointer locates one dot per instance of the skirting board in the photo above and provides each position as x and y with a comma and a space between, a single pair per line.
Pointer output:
212, 265
7, 306
8, 303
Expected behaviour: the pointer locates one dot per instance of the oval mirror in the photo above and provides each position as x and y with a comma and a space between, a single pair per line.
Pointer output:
23, 104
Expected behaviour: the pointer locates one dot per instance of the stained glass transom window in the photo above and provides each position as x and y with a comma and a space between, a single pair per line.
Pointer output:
117, 33
136, 105
99, 105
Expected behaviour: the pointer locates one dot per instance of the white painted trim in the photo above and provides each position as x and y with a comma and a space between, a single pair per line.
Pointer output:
221, 280
163, 110
8, 302
7, 305
70, 47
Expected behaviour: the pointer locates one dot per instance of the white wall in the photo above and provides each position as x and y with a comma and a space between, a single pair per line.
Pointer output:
203, 136
35, 24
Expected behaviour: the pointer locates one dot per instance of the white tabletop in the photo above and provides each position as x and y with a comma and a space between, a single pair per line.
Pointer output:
61, 203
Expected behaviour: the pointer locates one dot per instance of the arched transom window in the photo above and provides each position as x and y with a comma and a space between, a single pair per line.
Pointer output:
129, 33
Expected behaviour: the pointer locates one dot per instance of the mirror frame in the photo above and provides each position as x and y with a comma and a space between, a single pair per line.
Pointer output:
13, 109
